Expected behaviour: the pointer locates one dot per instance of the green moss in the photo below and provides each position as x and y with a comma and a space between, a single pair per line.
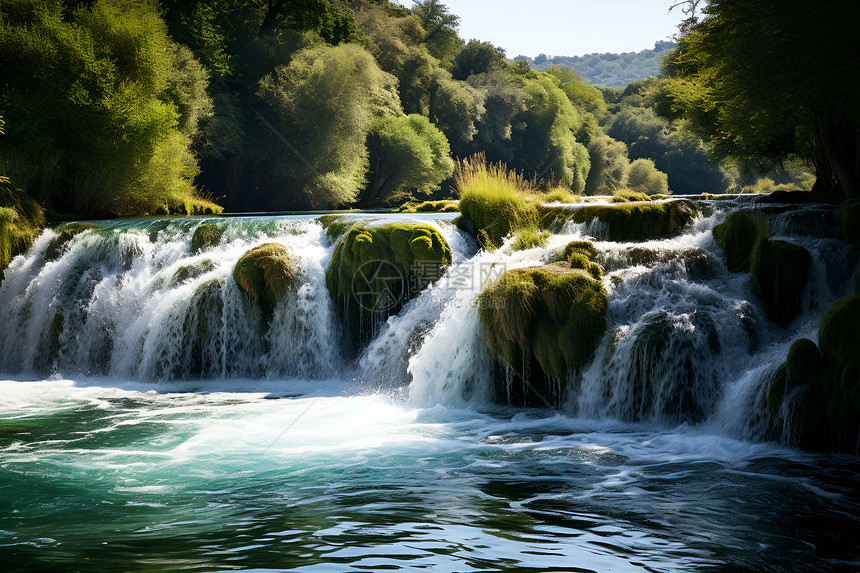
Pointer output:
627, 196
583, 247
266, 272
737, 236
495, 216
803, 363
335, 226
839, 331
206, 235
848, 218
781, 270
776, 392
823, 388
188, 272
57, 245
529, 238
552, 316
429, 207
375, 270
627, 221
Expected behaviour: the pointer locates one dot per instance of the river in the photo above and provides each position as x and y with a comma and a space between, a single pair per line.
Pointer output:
133, 438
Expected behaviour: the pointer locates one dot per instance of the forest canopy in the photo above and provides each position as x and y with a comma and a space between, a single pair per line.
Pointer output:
133, 107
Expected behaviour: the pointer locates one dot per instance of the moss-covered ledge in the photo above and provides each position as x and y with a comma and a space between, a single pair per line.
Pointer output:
623, 222
375, 270
543, 323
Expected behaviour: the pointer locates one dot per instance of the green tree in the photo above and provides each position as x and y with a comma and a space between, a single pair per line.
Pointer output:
105, 106
644, 177
609, 165
440, 26
772, 79
407, 154
326, 100
477, 58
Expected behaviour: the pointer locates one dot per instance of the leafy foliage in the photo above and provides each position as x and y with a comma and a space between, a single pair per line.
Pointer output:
610, 70
769, 80
407, 154
328, 98
107, 105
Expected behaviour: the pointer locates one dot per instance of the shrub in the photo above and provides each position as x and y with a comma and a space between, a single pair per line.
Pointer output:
495, 200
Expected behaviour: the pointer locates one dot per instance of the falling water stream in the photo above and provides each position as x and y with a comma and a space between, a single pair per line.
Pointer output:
153, 418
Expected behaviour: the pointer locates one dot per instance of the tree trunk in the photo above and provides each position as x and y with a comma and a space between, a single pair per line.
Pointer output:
840, 142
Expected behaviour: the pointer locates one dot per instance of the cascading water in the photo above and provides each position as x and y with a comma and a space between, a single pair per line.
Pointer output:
399, 455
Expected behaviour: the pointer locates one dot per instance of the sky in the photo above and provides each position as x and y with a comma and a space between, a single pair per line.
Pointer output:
566, 27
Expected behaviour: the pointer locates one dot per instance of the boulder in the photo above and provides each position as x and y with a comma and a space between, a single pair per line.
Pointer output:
375, 270
547, 320
206, 235
266, 272
781, 270
737, 236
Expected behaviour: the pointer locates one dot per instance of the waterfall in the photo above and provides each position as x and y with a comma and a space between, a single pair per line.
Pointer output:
686, 340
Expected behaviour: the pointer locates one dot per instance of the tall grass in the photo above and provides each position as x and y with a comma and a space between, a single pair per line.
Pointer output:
496, 200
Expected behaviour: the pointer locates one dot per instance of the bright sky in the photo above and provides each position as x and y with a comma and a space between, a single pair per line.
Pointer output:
566, 27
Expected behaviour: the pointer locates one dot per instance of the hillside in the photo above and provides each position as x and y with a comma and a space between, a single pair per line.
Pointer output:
608, 70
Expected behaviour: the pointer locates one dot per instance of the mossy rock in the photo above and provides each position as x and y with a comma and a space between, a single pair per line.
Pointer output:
57, 246
839, 331
443, 206
737, 236
848, 218
336, 226
188, 272
206, 235
266, 272
628, 221
491, 219
586, 248
375, 270
816, 394
552, 316
781, 269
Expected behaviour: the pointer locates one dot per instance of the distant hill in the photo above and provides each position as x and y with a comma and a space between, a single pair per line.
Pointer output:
608, 70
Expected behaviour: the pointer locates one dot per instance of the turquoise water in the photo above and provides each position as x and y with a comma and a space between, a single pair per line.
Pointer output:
93, 477
152, 422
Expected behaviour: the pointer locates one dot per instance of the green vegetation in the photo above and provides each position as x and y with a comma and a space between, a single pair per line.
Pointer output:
206, 235
375, 270
738, 235
551, 316
494, 200
815, 394
429, 207
789, 92
627, 196
66, 233
609, 70
408, 155
781, 270
103, 107
529, 238
266, 272
628, 221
